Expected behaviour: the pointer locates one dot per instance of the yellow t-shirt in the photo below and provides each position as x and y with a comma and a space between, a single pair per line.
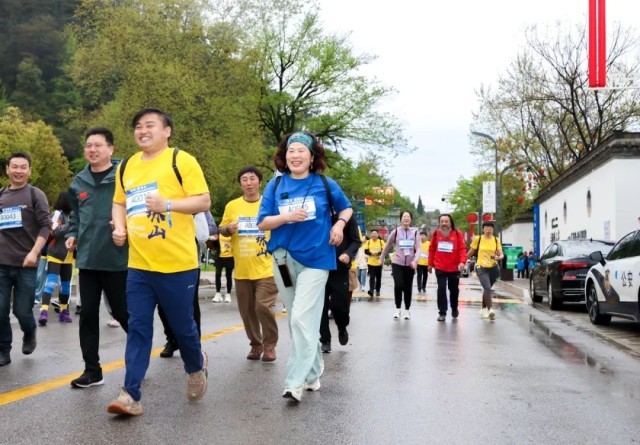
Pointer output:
424, 254
153, 245
248, 244
68, 259
226, 249
488, 249
375, 248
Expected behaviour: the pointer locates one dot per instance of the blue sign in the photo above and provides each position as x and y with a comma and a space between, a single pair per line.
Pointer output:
536, 230
360, 219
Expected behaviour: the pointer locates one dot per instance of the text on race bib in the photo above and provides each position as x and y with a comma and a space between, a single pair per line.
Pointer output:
248, 226
289, 205
136, 199
406, 244
445, 246
11, 218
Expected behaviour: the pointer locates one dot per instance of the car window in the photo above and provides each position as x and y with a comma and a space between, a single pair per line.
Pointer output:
585, 248
634, 249
624, 248
550, 252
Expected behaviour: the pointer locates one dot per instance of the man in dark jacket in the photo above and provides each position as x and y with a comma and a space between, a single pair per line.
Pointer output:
336, 295
102, 265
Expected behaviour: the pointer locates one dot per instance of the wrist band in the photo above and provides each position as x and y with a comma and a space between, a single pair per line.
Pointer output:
343, 219
169, 213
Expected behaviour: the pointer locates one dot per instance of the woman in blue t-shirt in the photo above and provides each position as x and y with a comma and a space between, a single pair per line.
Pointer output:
296, 208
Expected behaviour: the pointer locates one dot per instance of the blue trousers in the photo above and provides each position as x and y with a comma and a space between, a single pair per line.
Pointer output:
174, 293
23, 282
304, 302
41, 277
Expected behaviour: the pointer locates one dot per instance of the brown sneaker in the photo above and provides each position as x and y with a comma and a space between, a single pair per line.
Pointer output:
197, 383
269, 354
255, 353
125, 405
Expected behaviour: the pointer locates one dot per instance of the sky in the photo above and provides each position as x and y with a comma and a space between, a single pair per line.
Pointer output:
437, 54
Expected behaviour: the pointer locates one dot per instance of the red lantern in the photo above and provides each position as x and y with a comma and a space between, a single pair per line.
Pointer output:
487, 217
524, 188
520, 199
472, 217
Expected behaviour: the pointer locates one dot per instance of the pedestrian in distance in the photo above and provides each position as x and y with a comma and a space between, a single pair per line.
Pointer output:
102, 266
373, 249
447, 255
25, 224
337, 289
59, 262
256, 289
296, 207
488, 250
361, 264
224, 261
520, 266
423, 263
527, 266
407, 245
153, 207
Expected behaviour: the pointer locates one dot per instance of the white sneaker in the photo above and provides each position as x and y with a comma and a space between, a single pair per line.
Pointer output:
294, 394
484, 312
491, 315
227, 298
398, 314
407, 315
284, 310
217, 298
312, 386
113, 323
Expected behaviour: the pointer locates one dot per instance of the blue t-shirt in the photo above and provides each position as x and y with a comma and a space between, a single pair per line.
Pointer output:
306, 241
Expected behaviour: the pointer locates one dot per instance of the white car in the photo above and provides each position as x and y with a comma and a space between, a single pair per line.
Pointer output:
612, 286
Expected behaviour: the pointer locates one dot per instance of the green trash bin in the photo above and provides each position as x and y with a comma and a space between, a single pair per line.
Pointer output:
510, 261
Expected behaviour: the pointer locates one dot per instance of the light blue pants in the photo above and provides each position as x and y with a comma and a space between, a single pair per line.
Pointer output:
304, 302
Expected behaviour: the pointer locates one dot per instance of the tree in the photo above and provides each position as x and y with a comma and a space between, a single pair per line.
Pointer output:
542, 109
50, 169
420, 207
310, 81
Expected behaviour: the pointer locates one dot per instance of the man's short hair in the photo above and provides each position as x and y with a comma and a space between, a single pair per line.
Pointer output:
168, 122
100, 130
19, 154
250, 169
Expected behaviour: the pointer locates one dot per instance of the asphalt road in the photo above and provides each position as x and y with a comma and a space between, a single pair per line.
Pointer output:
529, 377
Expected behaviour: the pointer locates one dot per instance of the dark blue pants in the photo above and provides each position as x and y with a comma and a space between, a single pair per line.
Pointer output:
174, 293
446, 280
22, 281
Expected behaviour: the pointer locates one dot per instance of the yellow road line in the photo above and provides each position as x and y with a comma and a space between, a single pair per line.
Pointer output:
58, 382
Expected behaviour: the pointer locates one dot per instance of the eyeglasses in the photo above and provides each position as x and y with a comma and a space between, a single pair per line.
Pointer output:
97, 146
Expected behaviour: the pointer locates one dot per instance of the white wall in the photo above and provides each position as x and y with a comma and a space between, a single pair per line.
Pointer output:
612, 187
519, 234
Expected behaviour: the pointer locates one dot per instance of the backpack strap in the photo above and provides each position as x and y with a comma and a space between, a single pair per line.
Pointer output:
34, 200
174, 165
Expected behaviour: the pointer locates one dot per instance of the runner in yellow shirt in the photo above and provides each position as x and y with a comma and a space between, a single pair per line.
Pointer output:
488, 249
423, 263
224, 260
373, 247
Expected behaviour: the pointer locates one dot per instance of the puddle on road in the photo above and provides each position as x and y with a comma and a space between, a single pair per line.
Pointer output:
563, 349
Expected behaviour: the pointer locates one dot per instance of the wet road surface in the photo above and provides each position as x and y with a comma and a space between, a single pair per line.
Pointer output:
529, 377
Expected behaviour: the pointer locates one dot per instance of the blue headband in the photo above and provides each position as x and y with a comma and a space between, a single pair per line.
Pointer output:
303, 138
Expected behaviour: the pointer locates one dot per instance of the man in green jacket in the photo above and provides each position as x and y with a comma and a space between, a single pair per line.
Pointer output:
102, 265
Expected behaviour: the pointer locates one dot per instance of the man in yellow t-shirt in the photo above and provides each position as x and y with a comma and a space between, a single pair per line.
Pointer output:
488, 250
255, 287
423, 263
153, 207
373, 248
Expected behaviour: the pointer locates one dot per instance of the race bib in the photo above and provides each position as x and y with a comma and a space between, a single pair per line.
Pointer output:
445, 246
136, 199
248, 226
406, 244
424, 255
308, 203
11, 218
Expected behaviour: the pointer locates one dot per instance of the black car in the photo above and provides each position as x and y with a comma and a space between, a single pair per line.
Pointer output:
561, 271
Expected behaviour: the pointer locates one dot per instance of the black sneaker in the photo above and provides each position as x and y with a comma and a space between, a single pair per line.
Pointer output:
78, 310
454, 313
169, 349
343, 336
87, 380
5, 358
326, 347
29, 342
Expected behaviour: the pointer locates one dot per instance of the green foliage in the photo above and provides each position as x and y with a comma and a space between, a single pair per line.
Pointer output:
50, 169
420, 207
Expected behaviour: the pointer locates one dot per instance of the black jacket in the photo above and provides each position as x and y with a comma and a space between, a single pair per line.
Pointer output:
351, 242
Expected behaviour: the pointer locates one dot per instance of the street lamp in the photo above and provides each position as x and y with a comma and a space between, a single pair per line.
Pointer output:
499, 196
495, 146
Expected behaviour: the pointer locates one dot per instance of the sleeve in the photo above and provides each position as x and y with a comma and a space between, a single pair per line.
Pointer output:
387, 246
432, 247
42, 214
268, 203
418, 244
193, 182
462, 248
118, 194
213, 228
353, 233
338, 198
475, 242
499, 244
73, 216
366, 248
226, 217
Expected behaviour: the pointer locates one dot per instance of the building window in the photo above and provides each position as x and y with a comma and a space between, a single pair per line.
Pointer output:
589, 203
546, 220
564, 212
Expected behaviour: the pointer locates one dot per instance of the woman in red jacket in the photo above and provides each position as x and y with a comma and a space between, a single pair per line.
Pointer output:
447, 255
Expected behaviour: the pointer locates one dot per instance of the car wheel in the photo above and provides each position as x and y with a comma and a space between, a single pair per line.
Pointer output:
592, 307
532, 291
554, 302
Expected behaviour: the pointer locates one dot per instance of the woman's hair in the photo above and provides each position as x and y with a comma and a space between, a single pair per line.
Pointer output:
453, 224
406, 211
488, 224
318, 164
63, 203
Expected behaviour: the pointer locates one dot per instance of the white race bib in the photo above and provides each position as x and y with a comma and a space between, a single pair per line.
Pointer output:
445, 246
248, 226
406, 244
136, 204
11, 218
308, 203
424, 255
